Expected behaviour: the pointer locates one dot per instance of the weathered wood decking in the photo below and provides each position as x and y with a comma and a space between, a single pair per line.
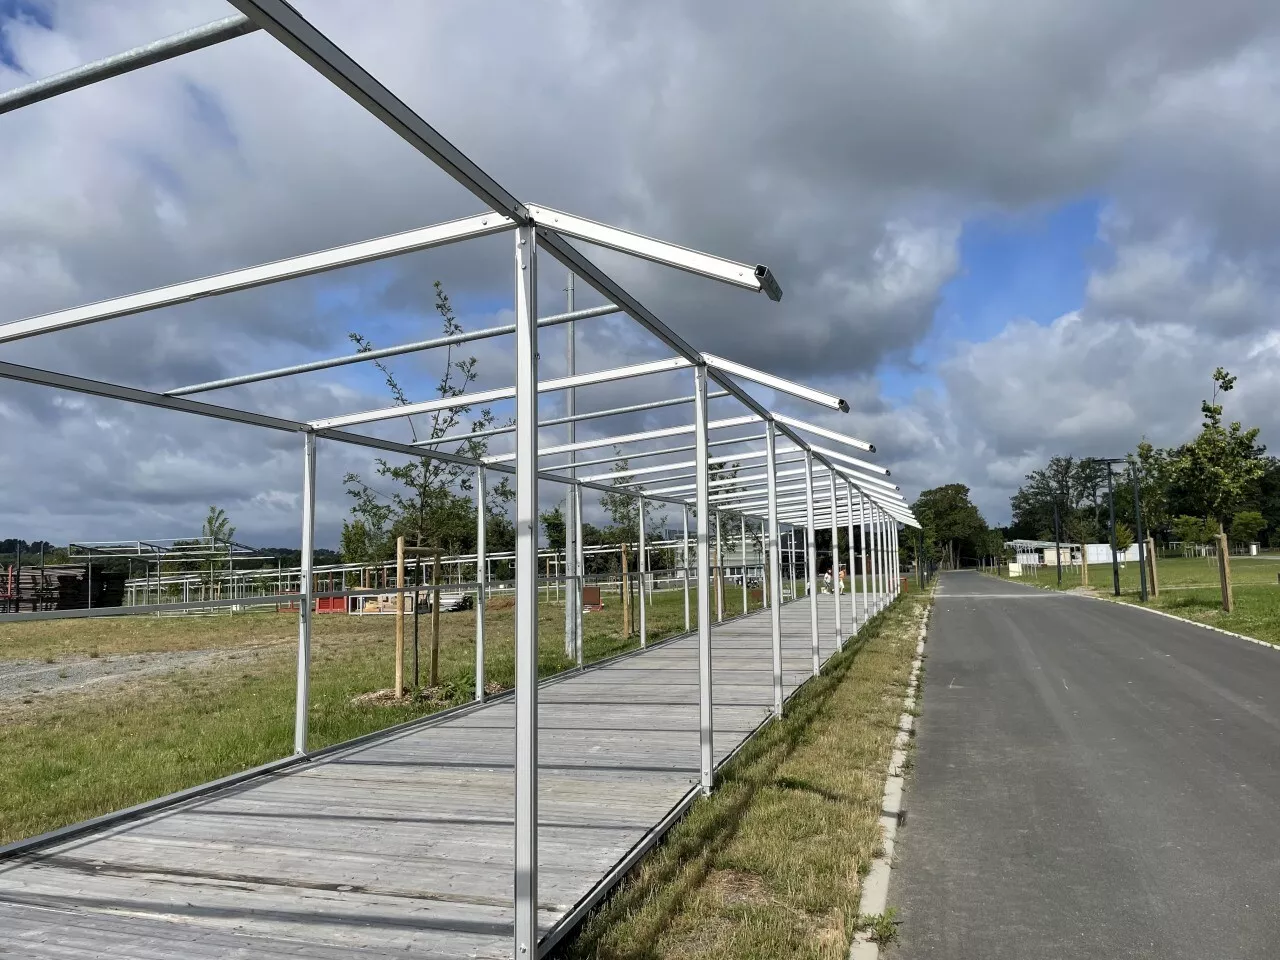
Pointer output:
403, 846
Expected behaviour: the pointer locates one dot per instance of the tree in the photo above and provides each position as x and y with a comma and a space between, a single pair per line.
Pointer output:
1223, 465
951, 520
553, 527
1246, 525
428, 500
217, 527
1192, 530
1124, 537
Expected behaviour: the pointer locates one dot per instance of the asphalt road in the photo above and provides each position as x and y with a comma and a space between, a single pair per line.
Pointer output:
1089, 781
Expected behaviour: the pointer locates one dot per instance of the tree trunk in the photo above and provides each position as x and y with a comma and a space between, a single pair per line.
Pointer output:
1224, 573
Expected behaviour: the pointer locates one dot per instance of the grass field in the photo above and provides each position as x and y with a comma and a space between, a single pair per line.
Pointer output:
79, 753
1189, 588
771, 865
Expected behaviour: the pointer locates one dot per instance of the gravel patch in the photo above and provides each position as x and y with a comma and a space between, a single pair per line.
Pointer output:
26, 678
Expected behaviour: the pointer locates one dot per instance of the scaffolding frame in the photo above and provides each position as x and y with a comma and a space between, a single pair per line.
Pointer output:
535, 230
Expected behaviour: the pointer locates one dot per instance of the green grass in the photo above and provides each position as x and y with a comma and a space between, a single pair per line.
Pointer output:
71, 756
1189, 588
771, 865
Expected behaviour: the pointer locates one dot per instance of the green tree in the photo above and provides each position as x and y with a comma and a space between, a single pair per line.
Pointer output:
553, 527
428, 499
1124, 536
1221, 468
1246, 525
217, 527
952, 521
1196, 531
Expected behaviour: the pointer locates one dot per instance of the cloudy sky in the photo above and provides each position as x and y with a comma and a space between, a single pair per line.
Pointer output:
1005, 230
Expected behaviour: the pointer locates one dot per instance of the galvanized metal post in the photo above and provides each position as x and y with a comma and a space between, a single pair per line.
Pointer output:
641, 567
304, 599
775, 565
580, 569
835, 561
719, 573
853, 583
526, 595
706, 733
742, 518
572, 610
862, 541
482, 590
687, 624
811, 560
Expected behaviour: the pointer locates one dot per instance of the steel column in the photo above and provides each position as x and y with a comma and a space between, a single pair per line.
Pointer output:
835, 561
719, 570
526, 610
580, 568
685, 514
811, 561
775, 567
853, 584
641, 567
570, 526
742, 518
862, 542
304, 598
482, 564
705, 718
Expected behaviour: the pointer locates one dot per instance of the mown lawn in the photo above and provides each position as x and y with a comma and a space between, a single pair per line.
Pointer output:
771, 865
70, 756
1189, 588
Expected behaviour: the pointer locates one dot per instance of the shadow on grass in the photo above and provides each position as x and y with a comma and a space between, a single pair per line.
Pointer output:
676, 870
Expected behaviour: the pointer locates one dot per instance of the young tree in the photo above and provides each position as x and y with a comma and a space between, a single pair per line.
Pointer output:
217, 527
428, 500
1222, 466
1124, 537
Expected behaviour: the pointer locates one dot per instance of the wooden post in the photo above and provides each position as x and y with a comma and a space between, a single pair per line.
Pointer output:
1153, 581
434, 668
399, 617
1224, 574
1084, 565
626, 596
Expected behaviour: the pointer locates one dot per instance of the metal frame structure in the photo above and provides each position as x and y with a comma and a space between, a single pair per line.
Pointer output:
535, 230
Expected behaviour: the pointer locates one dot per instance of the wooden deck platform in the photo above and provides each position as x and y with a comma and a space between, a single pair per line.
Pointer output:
403, 846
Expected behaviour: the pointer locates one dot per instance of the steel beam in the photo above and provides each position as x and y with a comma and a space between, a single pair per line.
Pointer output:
250, 277
778, 384
385, 352
188, 41
756, 279
283, 22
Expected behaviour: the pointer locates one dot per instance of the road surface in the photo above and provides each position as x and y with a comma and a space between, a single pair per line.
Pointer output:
1091, 780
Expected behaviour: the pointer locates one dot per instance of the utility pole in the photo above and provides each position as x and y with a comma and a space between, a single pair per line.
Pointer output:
1140, 535
573, 594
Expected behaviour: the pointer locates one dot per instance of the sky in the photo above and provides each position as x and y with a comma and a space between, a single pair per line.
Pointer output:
1004, 230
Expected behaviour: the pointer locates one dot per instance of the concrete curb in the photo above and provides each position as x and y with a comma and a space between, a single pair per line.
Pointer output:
875, 887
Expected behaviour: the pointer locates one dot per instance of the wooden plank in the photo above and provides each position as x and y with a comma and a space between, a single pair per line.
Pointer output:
404, 844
